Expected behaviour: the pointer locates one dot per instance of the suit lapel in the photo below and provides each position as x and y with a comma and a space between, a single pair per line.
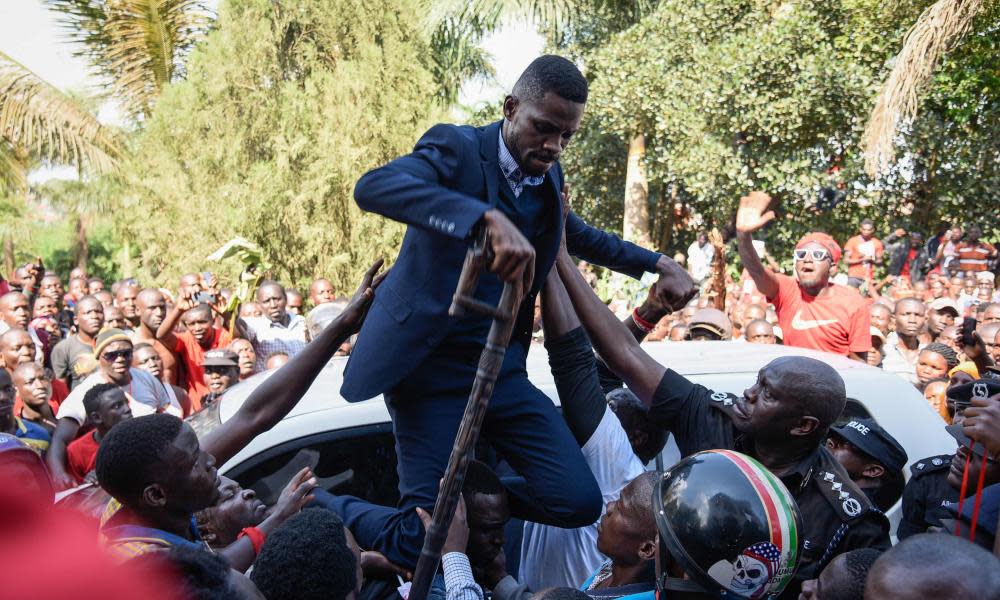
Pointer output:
489, 151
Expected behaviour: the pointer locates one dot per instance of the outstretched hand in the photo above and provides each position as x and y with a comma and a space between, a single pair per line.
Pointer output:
675, 288
753, 212
458, 532
357, 307
295, 495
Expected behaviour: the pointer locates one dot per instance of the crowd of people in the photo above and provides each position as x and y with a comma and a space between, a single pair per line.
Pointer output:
105, 475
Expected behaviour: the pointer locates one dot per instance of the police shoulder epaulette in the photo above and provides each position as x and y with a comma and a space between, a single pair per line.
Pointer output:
847, 500
724, 401
931, 464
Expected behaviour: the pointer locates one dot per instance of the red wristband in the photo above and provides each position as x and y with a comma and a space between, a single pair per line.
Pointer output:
256, 536
642, 323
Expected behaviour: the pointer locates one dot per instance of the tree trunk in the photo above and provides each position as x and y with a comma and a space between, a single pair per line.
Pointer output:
82, 250
636, 225
8, 256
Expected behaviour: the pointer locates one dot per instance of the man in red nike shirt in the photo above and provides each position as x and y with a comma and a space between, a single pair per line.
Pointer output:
812, 311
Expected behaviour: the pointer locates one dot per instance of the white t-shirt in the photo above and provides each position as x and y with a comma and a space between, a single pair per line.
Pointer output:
557, 557
146, 395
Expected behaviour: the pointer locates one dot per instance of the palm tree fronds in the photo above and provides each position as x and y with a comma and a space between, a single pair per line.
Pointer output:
138, 45
938, 30
38, 119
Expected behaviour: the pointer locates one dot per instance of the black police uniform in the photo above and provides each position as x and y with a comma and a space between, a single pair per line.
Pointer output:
837, 516
925, 495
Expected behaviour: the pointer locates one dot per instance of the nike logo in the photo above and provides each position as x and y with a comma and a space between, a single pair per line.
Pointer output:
801, 324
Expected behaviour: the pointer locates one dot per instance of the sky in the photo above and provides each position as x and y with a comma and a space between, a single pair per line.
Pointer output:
30, 34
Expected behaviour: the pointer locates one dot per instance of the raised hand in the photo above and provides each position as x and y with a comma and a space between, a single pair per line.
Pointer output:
295, 495
753, 212
357, 307
675, 287
458, 532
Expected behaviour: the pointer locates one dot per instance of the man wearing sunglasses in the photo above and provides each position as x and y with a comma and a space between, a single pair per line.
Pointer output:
812, 311
145, 393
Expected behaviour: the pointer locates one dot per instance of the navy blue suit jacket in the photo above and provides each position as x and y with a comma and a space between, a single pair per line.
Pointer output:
441, 191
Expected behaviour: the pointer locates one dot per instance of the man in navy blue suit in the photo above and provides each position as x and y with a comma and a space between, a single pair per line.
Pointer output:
504, 177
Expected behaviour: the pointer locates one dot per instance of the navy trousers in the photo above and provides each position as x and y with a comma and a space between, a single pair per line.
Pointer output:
555, 486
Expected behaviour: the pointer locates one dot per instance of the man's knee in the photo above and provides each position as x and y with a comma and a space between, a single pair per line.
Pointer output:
581, 505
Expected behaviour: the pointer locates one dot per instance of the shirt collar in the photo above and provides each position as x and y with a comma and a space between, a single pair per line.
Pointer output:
511, 170
151, 535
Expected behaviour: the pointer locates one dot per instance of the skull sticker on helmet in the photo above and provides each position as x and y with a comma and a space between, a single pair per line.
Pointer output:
751, 573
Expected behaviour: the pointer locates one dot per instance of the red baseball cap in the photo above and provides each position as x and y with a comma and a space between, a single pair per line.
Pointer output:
823, 240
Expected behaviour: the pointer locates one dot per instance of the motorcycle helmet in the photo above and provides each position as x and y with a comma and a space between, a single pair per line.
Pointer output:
23, 475
730, 524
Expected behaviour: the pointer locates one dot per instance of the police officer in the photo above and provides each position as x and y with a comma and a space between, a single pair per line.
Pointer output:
782, 421
935, 481
873, 459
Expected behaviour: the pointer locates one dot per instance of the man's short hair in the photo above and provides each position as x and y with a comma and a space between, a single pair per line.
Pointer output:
857, 563
92, 399
307, 558
867, 222
274, 353
940, 565
201, 308
480, 479
132, 454
551, 73
270, 283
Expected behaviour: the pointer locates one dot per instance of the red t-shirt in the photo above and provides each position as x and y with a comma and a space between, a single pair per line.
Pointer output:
81, 456
858, 247
193, 355
905, 271
838, 322
59, 393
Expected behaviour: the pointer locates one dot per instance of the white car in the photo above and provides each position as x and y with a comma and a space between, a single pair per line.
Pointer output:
350, 446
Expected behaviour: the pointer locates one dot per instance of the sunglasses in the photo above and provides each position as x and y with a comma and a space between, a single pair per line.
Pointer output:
816, 255
115, 355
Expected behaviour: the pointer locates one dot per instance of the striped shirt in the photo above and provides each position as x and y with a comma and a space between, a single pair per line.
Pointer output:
268, 336
459, 583
512, 171
972, 256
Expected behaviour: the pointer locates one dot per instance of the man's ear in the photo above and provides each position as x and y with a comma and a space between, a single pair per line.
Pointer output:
647, 549
806, 426
95, 419
510, 104
873, 470
154, 496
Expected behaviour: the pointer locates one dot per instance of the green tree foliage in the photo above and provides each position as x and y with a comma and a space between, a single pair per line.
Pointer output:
951, 152
284, 107
735, 95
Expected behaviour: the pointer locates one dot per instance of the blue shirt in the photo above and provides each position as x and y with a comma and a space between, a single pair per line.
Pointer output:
32, 434
512, 171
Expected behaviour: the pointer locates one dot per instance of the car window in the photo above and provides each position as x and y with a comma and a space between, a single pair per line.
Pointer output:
358, 462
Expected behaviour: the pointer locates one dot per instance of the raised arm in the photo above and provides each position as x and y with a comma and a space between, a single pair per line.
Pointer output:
614, 342
751, 216
414, 189
571, 358
165, 332
275, 397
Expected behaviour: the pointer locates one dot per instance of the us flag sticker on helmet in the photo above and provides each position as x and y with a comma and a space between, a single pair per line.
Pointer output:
774, 497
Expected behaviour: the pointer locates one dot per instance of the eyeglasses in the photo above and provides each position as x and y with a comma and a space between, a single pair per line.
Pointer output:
815, 254
218, 369
116, 354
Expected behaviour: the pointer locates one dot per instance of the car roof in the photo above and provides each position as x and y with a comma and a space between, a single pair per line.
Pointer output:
723, 366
